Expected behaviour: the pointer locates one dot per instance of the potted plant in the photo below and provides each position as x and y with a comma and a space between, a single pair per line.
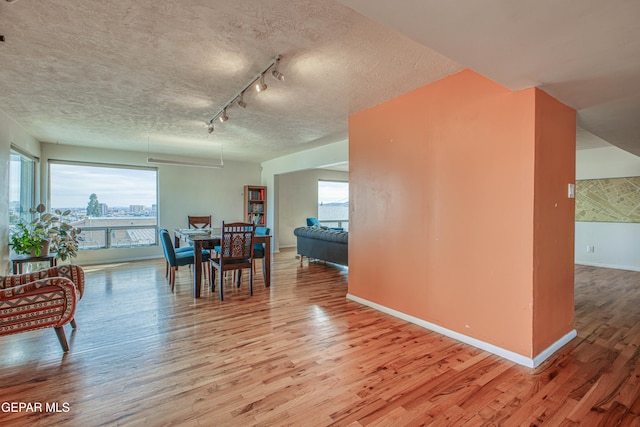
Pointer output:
46, 231
64, 236
28, 240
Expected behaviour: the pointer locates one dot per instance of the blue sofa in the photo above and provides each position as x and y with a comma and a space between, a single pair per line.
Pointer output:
322, 244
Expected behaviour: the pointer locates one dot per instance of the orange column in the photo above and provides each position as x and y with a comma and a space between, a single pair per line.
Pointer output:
554, 221
442, 208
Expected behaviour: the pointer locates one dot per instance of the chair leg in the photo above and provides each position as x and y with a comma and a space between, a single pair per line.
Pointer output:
172, 277
237, 275
166, 269
73, 323
221, 284
62, 338
212, 279
251, 281
264, 270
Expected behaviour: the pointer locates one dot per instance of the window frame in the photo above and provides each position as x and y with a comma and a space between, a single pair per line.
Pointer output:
342, 222
109, 230
27, 204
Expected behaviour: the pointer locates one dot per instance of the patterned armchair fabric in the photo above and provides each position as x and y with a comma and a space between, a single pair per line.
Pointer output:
42, 299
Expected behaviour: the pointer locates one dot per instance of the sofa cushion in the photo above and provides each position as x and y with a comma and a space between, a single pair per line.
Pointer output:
320, 234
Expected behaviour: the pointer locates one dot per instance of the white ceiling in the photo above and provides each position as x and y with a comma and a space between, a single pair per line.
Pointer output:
146, 75
586, 53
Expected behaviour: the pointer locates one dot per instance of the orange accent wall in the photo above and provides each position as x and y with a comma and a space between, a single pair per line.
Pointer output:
442, 184
554, 226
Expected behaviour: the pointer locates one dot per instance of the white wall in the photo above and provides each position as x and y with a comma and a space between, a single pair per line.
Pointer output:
299, 200
326, 155
617, 245
10, 133
183, 191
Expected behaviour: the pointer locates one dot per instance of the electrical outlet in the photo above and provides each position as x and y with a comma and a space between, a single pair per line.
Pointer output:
591, 249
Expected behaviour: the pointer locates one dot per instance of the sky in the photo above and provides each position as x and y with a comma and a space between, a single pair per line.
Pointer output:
333, 192
71, 186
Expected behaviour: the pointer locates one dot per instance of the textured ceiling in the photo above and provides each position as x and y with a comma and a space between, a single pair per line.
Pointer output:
585, 53
146, 75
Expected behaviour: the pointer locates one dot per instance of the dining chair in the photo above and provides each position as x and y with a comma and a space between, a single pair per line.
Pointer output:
203, 221
235, 253
175, 258
177, 250
258, 250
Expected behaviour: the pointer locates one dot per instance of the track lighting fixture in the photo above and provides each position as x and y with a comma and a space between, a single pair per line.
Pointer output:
238, 98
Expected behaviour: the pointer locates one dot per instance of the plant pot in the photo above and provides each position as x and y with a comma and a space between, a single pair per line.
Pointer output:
44, 248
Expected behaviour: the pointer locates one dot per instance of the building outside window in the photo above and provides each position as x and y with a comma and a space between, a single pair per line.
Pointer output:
115, 206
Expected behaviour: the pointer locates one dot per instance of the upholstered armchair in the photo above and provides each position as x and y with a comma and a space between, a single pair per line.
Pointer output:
42, 299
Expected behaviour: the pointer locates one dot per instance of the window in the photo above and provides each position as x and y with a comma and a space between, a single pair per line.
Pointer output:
22, 179
333, 203
114, 206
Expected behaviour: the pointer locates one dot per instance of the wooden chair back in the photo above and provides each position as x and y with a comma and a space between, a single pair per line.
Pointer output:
203, 221
236, 253
236, 241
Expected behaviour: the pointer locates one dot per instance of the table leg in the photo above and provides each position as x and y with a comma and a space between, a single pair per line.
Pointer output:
197, 267
267, 259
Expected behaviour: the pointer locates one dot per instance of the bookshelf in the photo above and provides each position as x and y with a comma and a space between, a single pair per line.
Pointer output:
255, 204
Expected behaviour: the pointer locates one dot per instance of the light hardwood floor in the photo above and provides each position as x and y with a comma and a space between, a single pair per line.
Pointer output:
301, 354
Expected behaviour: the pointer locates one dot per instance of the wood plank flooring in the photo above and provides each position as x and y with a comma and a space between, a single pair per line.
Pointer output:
301, 354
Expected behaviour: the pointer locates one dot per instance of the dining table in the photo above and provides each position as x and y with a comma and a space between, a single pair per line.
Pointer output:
203, 238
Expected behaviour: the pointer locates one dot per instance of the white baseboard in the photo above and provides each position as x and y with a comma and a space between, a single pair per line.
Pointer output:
499, 351
605, 265
546, 353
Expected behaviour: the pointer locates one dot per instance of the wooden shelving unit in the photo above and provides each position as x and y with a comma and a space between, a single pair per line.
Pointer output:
255, 204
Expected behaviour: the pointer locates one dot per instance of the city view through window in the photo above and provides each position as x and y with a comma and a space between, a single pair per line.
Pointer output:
114, 206
21, 187
333, 204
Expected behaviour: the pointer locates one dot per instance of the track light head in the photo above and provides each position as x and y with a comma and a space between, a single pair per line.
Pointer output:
261, 86
275, 72
223, 117
210, 127
241, 102
277, 75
